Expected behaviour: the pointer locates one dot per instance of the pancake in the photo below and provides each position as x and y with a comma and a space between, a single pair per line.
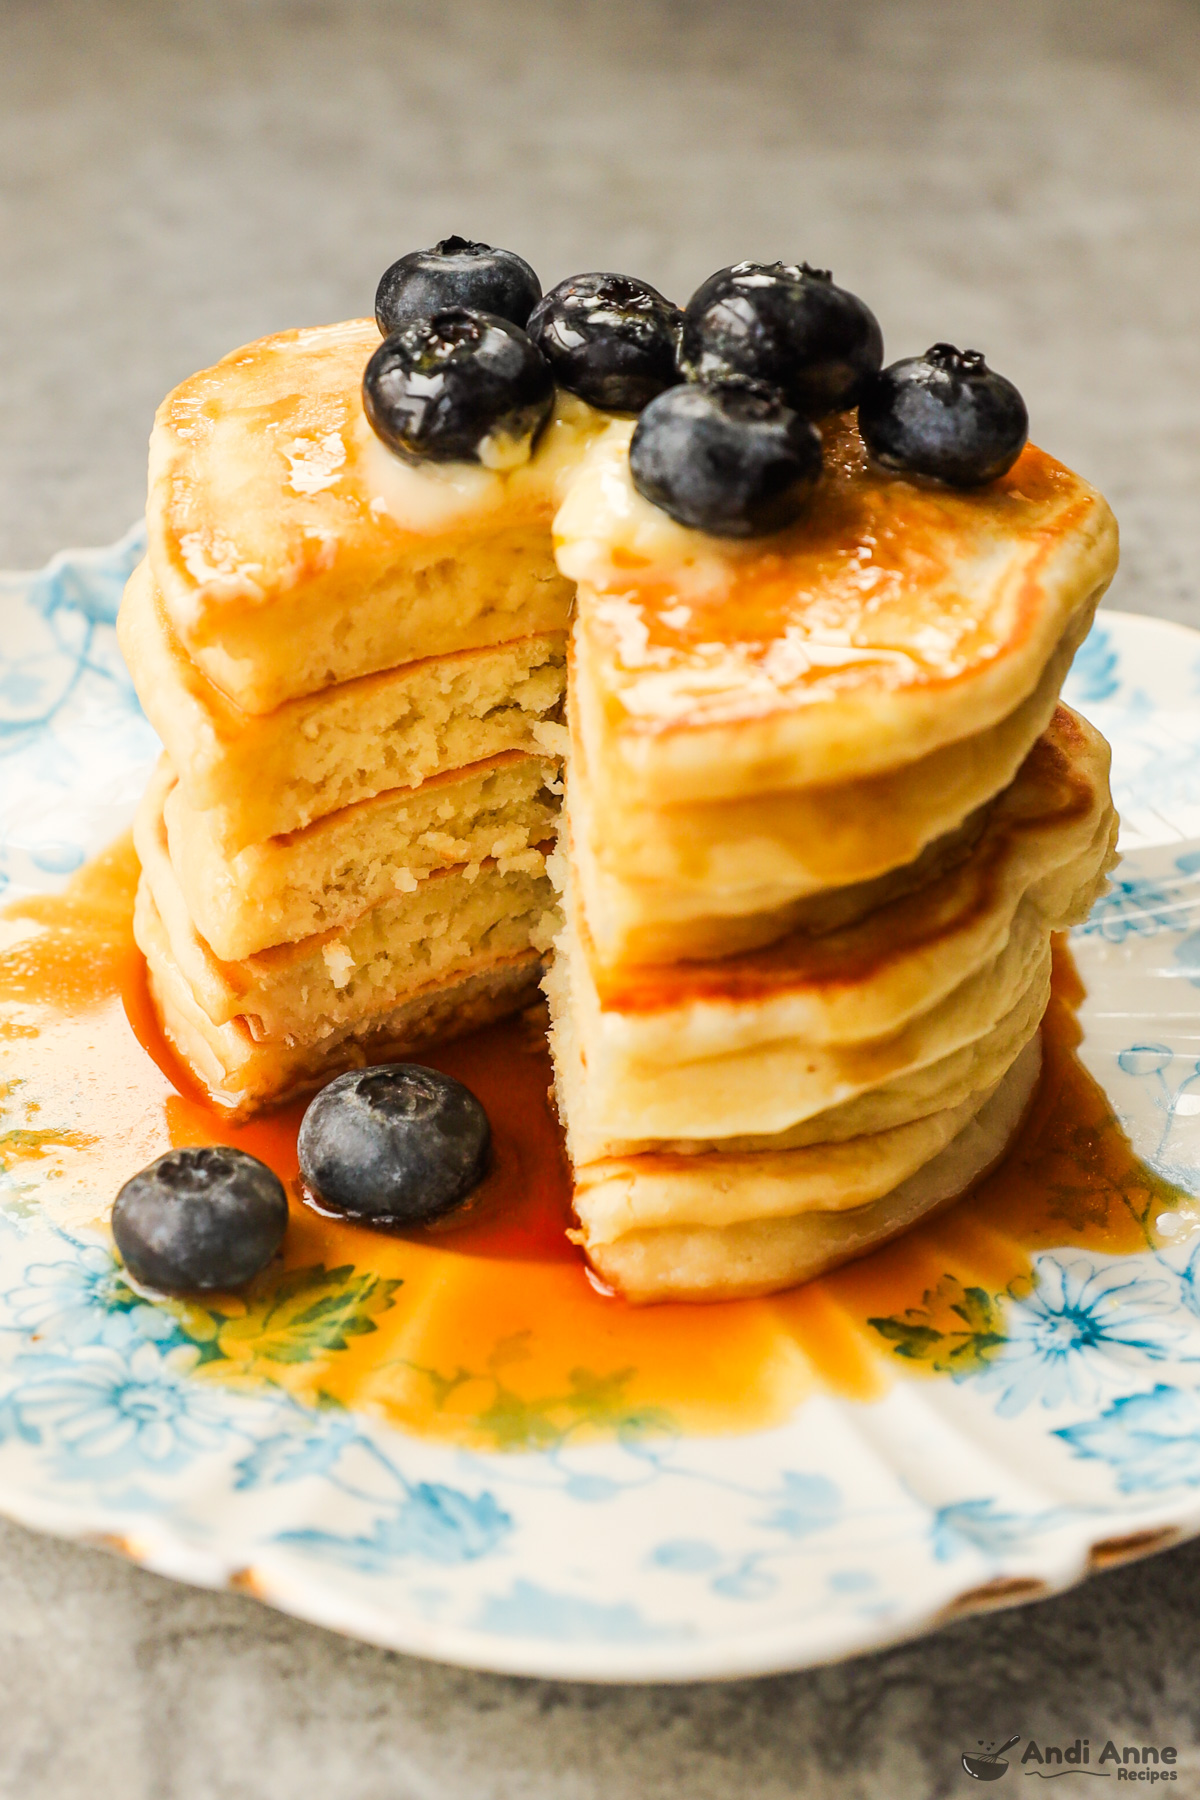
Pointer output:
293, 551
455, 923
255, 776
761, 1042
713, 879
948, 1082
896, 617
768, 1087
656, 1189
242, 1074
326, 875
763, 1253
1042, 840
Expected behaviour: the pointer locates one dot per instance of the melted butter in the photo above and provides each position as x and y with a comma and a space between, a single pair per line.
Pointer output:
431, 497
490, 1332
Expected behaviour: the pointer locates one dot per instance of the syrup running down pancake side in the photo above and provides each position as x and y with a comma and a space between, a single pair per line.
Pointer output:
488, 1331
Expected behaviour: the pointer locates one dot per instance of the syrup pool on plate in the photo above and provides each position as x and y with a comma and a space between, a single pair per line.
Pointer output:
487, 1330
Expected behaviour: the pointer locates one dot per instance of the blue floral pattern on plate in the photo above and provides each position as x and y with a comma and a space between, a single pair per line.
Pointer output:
651, 1557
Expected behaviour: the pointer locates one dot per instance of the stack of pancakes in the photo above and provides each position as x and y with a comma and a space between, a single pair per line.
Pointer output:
824, 813
356, 672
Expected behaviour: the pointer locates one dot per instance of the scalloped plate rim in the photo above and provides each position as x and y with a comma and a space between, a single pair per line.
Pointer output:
320, 1593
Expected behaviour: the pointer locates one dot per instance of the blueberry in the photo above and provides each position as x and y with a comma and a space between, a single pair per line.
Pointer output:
787, 325
944, 414
609, 338
202, 1217
726, 457
456, 272
459, 387
395, 1145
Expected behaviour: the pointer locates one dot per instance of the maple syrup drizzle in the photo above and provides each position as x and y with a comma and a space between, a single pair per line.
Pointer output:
866, 531
489, 1331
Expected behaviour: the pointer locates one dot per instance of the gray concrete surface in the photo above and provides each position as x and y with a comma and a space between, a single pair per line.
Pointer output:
177, 178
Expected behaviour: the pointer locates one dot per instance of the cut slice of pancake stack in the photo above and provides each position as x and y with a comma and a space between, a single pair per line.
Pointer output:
824, 814
357, 672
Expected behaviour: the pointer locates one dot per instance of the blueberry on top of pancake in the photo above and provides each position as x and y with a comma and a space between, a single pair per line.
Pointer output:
726, 457
611, 339
946, 415
462, 386
455, 272
788, 325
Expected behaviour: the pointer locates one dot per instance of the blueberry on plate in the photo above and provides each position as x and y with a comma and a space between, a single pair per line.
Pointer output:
395, 1145
726, 457
944, 414
787, 325
609, 338
205, 1216
456, 272
461, 386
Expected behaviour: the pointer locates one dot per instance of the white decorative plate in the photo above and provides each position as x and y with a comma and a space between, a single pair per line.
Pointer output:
1073, 1441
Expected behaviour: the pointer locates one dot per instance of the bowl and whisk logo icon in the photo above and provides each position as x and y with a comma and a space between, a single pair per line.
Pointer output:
988, 1766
